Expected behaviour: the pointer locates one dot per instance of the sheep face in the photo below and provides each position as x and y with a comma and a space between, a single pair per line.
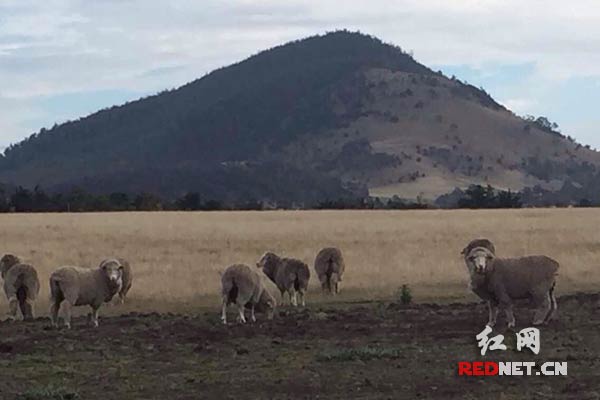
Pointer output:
113, 271
268, 262
478, 260
6, 262
267, 304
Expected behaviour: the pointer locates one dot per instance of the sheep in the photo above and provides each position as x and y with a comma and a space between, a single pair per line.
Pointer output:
21, 286
290, 275
499, 281
329, 266
243, 286
83, 286
485, 243
127, 279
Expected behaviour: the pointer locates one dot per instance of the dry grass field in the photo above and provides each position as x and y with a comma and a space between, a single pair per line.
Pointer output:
362, 344
176, 256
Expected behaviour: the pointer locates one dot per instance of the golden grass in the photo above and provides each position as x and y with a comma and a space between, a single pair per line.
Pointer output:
176, 256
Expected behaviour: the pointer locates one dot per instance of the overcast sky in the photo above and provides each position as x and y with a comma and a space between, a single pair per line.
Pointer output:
62, 59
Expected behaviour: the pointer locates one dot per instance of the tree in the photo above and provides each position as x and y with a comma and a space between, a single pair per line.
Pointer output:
190, 201
147, 202
22, 200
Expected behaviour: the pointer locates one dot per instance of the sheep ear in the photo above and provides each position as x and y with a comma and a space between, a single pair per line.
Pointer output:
463, 251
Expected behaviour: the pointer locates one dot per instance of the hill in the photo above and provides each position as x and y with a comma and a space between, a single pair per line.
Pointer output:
331, 116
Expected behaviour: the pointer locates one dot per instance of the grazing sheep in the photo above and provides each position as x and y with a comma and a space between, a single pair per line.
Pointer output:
290, 275
329, 266
499, 281
244, 287
21, 286
485, 243
83, 286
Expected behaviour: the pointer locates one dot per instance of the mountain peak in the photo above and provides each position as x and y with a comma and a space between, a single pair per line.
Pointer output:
328, 116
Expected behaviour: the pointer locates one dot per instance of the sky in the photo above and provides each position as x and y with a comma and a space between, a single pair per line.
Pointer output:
64, 59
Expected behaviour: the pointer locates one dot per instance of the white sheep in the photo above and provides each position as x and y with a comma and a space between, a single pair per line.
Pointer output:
82, 286
21, 286
499, 281
290, 275
330, 266
244, 287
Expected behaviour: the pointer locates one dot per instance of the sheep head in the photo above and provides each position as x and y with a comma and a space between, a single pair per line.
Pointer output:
268, 263
113, 269
478, 260
267, 304
485, 243
7, 262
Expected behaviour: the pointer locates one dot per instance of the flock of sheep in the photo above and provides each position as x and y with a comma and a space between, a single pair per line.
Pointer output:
498, 281
69, 287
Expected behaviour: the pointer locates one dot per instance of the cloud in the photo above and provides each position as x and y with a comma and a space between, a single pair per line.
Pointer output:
56, 47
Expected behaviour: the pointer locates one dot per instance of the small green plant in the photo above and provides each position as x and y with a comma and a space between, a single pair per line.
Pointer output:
48, 393
405, 295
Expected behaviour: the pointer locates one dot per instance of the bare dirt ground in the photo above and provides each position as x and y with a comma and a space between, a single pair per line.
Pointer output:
347, 350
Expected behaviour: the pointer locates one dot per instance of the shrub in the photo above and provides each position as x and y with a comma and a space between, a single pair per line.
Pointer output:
405, 295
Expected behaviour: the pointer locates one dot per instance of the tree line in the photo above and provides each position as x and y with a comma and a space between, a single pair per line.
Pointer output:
22, 199
78, 200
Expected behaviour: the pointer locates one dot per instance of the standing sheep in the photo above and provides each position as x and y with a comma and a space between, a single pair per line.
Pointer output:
499, 281
242, 286
329, 266
290, 275
83, 286
21, 286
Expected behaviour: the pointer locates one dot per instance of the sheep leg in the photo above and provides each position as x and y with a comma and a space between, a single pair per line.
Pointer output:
54, 313
506, 304
282, 296
13, 304
26, 306
544, 307
241, 317
302, 295
493, 313
293, 298
67, 314
553, 306
510, 316
252, 316
94, 317
224, 310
